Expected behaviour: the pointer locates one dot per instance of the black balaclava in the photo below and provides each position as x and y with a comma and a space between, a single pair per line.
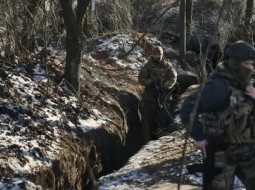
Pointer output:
235, 54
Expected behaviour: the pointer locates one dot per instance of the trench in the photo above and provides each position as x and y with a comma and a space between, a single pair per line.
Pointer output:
98, 152
102, 151
135, 138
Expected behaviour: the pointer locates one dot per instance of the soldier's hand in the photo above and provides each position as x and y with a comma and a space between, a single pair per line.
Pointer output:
250, 91
201, 146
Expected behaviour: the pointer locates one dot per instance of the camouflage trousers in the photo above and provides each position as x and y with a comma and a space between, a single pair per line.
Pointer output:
150, 110
226, 167
155, 117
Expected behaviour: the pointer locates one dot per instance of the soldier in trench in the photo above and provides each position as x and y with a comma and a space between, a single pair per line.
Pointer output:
158, 76
224, 124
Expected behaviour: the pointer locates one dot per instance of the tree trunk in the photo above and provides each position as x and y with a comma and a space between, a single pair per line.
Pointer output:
248, 13
182, 49
74, 24
182, 29
189, 12
73, 59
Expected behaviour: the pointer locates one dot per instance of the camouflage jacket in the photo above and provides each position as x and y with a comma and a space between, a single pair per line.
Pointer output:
160, 73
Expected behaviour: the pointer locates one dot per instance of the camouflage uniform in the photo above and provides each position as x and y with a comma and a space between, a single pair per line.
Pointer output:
225, 118
158, 79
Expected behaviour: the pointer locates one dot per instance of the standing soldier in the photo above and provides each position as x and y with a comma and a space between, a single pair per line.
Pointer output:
158, 77
224, 127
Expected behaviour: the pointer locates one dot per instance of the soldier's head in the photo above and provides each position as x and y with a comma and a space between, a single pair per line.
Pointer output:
240, 57
157, 53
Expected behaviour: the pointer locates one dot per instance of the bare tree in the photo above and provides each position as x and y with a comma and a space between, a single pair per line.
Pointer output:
183, 30
189, 12
24, 24
74, 20
248, 13
27, 40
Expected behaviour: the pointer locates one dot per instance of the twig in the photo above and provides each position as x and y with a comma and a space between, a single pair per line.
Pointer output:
146, 32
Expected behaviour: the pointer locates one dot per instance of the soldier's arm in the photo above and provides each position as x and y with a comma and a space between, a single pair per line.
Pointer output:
144, 76
185, 113
171, 78
214, 97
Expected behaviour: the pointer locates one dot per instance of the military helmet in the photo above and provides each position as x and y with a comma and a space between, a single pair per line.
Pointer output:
240, 50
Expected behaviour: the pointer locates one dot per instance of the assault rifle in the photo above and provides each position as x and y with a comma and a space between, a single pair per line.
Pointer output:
162, 104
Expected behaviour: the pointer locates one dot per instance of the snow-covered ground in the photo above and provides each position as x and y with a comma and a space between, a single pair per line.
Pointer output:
152, 166
27, 92
22, 151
